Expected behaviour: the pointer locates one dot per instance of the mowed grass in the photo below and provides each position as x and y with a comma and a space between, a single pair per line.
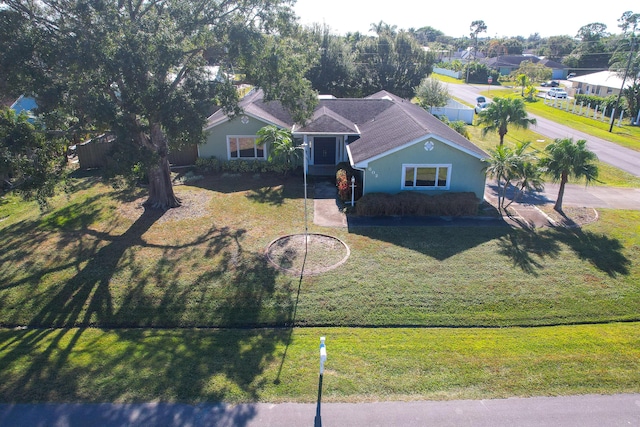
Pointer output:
96, 261
626, 135
278, 365
607, 175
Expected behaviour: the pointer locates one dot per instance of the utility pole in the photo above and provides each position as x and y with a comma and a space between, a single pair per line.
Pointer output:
627, 19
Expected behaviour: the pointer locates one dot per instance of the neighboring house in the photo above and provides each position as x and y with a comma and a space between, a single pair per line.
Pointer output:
602, 83
506, 64
26, 104
463, 55
395, 144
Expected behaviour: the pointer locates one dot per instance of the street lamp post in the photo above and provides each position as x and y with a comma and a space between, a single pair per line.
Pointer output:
305, 165
304, 173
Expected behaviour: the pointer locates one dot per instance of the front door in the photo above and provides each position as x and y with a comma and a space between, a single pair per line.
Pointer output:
324, 151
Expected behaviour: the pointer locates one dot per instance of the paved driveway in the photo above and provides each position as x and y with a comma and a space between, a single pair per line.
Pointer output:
588, 196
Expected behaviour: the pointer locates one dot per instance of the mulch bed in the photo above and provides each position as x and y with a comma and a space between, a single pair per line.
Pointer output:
571, 216
194, 205
323, 253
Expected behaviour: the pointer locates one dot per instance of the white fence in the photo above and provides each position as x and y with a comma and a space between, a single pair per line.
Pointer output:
450, 73
454, 111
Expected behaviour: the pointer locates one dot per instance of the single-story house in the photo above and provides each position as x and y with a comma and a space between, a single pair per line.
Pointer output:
395, 144
463, 55
506, 64
602, 83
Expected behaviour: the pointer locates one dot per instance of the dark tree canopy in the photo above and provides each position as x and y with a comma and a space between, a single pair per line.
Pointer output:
28, 157
136, 68
393, 62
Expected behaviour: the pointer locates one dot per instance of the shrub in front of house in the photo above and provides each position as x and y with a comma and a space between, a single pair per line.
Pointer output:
213, 165
409, 203
344, 172
342, 182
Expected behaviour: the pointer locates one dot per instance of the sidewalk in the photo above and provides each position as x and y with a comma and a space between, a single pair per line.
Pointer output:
566, 411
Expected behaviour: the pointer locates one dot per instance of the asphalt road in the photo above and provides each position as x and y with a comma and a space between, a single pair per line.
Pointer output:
608, 152
569, 411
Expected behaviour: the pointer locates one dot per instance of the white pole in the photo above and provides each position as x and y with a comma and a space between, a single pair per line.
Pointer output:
304, 167
323, 354
613, 112
353, 190
620, 119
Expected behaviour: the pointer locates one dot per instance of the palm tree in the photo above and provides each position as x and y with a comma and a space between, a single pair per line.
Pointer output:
500, 163
283, 149
503, 112
514, 167
566, 159
528, 177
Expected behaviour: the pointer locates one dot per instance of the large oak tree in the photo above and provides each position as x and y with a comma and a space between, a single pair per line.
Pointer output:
136, 68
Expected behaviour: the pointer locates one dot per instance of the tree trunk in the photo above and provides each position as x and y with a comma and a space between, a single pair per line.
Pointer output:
563, 181
161, 195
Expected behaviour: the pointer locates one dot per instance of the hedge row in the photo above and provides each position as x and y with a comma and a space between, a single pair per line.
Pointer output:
418, 204
214, 165
607, 103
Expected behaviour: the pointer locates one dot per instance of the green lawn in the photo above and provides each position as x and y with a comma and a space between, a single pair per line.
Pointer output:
608, 175
277, 365
91, 262
626, 135
94, 260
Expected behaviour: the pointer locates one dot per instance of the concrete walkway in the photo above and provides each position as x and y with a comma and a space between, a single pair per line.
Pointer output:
326, 212
568, 411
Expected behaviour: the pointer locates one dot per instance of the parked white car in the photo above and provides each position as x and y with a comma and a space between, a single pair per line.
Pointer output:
556, 92
481, 107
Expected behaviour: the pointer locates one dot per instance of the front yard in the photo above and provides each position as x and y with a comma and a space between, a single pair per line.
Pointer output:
96, 260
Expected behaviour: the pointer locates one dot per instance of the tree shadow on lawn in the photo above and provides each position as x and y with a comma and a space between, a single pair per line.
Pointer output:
208, 281
134, 365
603, 252
18, 266
183, 371
528, 248
436, 242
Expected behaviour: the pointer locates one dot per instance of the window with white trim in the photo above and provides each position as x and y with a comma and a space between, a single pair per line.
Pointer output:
421, 177
244, 147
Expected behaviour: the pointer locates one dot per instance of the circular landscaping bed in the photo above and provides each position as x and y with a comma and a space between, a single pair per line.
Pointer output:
570, 216
320, 253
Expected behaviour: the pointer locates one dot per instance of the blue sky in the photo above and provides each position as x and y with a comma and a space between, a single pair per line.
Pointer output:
512, 18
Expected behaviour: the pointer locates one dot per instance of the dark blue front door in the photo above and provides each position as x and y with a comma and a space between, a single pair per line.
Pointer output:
324, 151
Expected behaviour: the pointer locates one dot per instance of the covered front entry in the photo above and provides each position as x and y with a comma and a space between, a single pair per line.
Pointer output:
324, 151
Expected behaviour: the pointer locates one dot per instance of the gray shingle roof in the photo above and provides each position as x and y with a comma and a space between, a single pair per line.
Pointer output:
383, 121
401, 123
325, 120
